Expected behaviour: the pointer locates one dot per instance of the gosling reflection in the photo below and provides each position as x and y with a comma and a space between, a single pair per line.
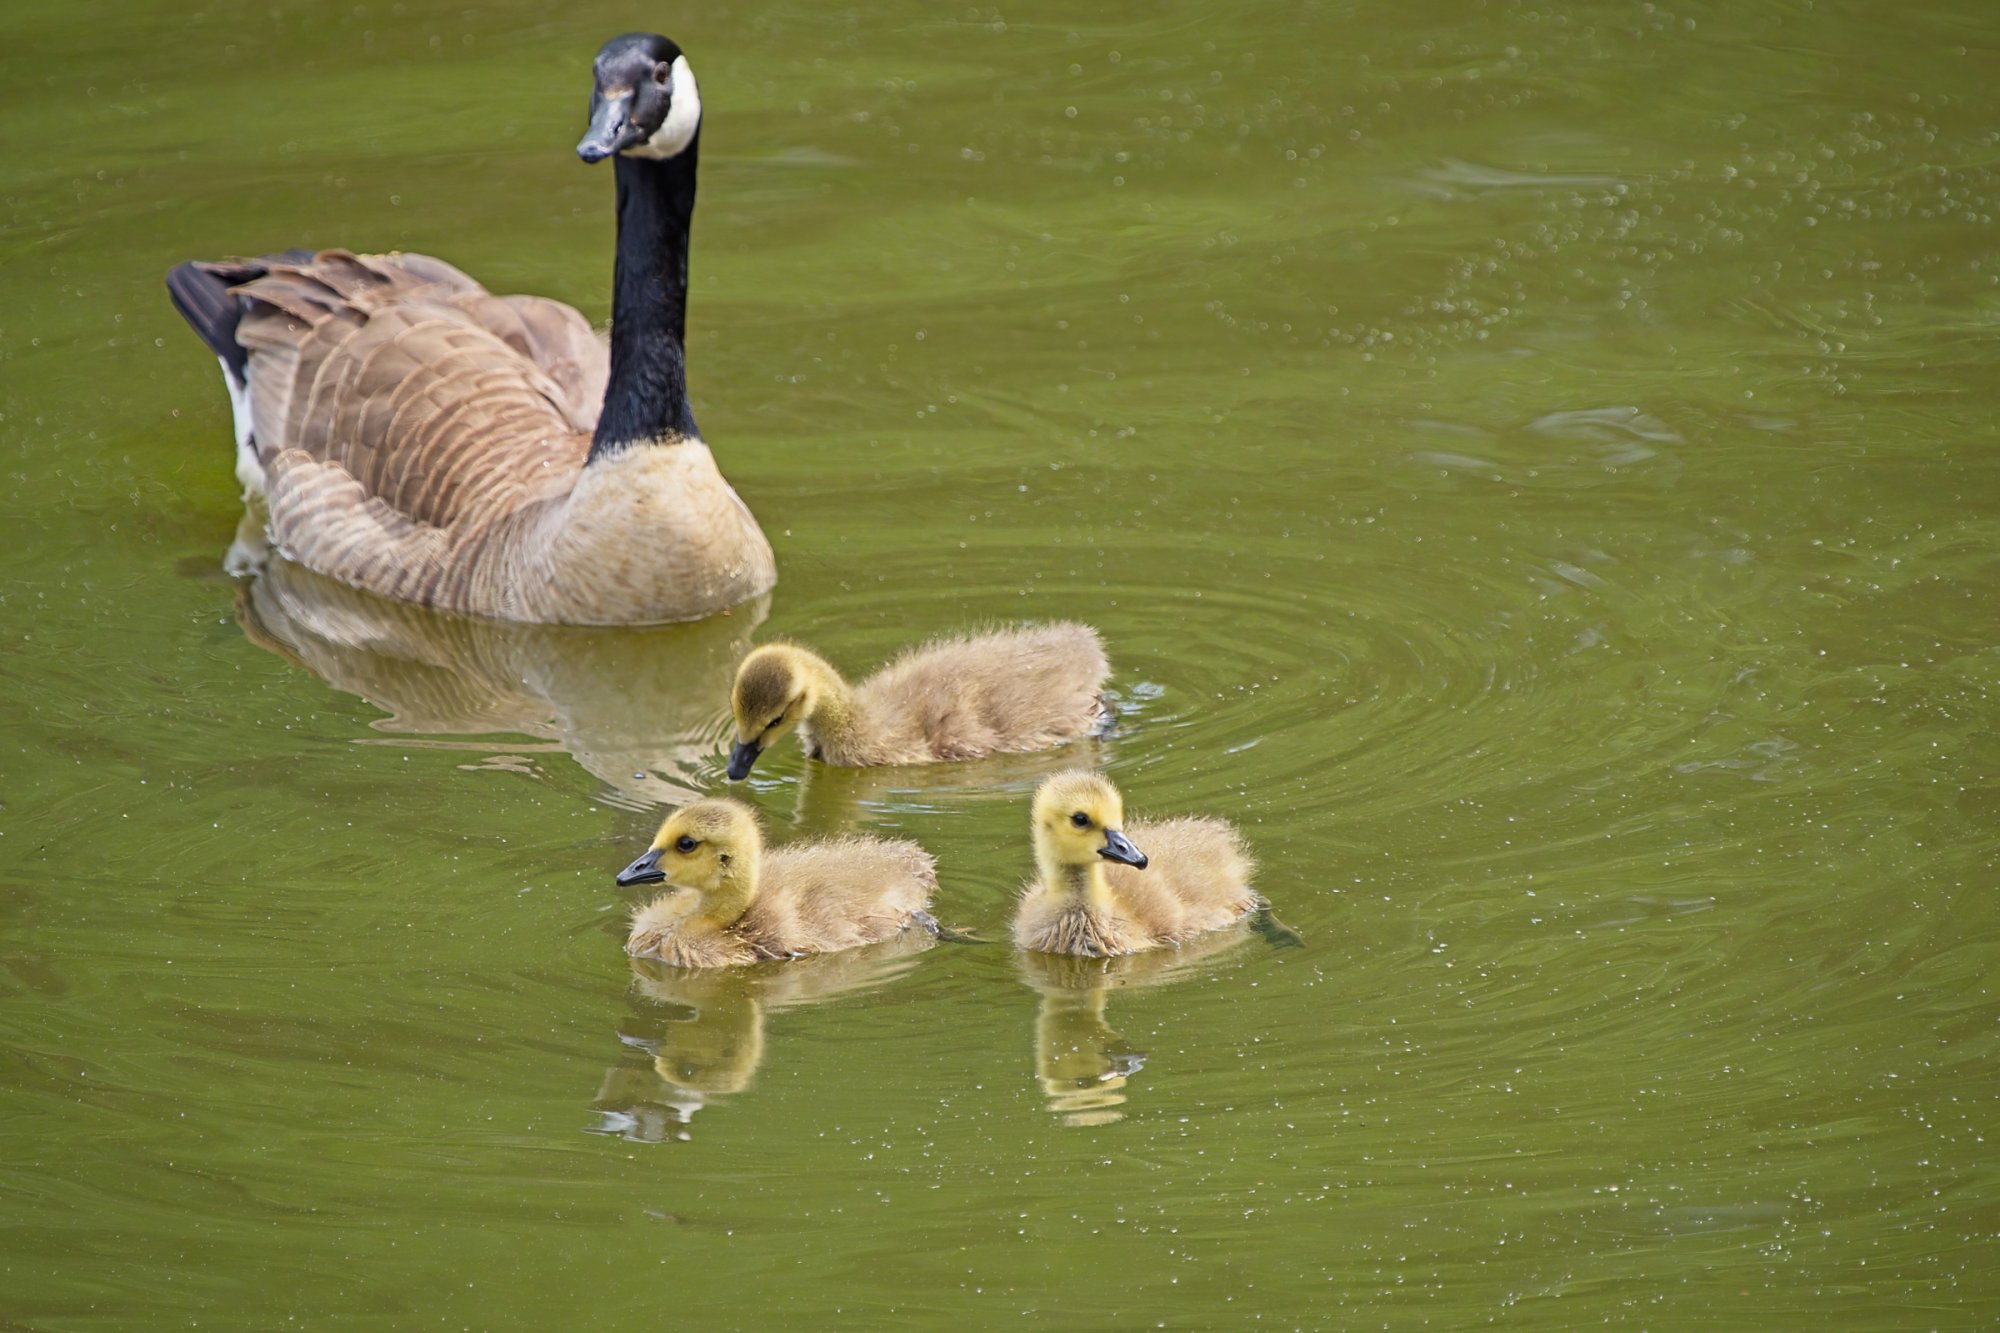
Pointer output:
697, 1034
831, 799
640, 709
1082, 1062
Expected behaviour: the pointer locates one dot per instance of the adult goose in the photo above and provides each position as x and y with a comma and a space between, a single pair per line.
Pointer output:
414, 435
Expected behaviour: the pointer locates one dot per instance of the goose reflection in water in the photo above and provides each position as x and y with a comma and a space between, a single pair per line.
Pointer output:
1083, 1064
641, 709
697, 1034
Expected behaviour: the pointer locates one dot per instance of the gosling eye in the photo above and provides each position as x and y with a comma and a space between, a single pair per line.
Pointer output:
684, 844
774, 722
1080, 819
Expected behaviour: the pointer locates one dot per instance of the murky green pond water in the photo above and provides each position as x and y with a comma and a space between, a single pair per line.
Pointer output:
1535, 466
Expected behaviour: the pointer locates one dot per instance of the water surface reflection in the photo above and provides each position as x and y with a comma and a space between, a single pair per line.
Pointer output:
697, 1034
644, 710
1082, 1062
830, 800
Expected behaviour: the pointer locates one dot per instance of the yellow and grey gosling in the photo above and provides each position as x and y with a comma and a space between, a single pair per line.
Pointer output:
412, 434
732, 902
1010, 691
1104, 887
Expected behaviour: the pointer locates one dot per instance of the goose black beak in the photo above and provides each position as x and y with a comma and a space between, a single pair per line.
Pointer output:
741, 757
645, 870
611, 129
1117, 847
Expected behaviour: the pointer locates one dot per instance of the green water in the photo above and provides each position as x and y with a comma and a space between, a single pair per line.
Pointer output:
1534, 466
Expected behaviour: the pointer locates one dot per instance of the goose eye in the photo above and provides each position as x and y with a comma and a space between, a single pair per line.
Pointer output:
663, 74
685, 844
1080, 819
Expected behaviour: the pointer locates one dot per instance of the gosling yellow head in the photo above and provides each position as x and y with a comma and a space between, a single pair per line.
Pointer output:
710, 851
778, 686
1079, 819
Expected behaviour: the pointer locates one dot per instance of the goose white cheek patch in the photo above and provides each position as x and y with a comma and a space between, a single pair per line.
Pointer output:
683, 117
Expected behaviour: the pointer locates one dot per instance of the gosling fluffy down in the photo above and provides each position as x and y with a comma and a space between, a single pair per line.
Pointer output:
733, 902
1010, 691
1105, 887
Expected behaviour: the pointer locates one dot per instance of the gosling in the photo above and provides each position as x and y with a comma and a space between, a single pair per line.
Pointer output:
731, 902
1011, 691
1079, 904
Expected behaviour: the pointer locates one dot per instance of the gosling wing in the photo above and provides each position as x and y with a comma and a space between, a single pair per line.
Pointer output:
824, 896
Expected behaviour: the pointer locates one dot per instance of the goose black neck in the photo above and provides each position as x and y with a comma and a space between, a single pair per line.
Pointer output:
646, 396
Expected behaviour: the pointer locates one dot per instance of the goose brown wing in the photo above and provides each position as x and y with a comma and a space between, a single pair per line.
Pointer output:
560, 343
439, 400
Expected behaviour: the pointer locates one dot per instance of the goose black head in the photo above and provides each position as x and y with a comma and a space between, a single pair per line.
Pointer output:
644, 102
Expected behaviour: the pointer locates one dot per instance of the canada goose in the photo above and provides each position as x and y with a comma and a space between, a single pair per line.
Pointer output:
1013, 690
733, 903
412, 434
1199, 880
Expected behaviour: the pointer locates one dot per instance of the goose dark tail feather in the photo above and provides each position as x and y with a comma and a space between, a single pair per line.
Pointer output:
200, 291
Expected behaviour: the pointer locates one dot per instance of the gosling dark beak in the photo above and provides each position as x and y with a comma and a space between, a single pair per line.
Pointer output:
645, 870
1117, 847
611, 130
741, 757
